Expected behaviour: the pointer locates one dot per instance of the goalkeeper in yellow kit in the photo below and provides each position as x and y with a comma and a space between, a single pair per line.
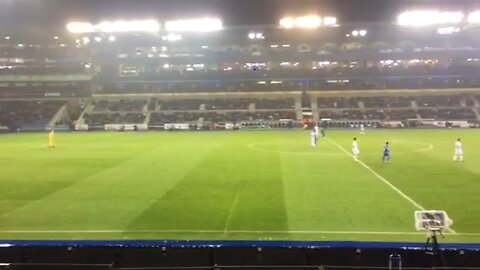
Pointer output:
51, 139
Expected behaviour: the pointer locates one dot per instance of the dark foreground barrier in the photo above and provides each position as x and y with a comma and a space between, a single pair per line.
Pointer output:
39, 255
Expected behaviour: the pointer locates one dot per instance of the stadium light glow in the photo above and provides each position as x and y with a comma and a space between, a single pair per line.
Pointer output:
63, 45
307, 22
79, 27
172, 37
204, 47
85, 40
448, 30
114, 26
7, 37
428, 18
287, 23
55, 37
254, 35
97, 39
358, 33
329, 21
474, 17
194, 25
112, 38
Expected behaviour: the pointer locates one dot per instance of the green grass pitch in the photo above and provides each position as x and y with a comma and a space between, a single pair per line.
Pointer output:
236, 185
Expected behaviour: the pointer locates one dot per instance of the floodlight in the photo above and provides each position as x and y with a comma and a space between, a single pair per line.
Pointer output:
450, 17
259, 36
97, 39
474, 17
172, 37
329, 21
114, 26
363, 33
287, 23
355, 33
251, 35
308, 22
428, 18
448, 30
112, 38
63, 45
7, 37
85, 40
79, 27
194, 25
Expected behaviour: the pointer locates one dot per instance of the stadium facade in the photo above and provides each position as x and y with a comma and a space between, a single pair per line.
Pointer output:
243, 77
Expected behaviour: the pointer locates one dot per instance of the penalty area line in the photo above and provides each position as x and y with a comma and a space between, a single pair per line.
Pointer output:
385, 181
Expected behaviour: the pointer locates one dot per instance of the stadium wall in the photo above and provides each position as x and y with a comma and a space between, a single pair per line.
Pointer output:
156, 254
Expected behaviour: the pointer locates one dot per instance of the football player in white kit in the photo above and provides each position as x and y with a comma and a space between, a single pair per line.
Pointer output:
313, 137
458, 151
362, 129
316, 130
355, 149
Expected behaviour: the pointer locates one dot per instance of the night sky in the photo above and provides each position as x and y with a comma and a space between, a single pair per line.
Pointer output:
233, 12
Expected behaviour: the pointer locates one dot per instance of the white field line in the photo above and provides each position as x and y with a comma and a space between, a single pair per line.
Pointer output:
221, 231
385, 181
230, 213
257, 147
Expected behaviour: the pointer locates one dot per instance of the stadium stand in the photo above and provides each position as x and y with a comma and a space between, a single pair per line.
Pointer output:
285, 103
339, 102
229, 104
27, 115
385, 102
121, 105
260, 116
180, 104
100, 119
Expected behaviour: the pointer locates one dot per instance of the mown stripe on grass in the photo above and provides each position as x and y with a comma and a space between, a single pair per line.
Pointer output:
113, 196
224, 192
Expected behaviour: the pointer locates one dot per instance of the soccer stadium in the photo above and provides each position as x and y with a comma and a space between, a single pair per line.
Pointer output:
267, 134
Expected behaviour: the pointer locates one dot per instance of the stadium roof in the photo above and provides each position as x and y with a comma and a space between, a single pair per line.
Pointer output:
51, 13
